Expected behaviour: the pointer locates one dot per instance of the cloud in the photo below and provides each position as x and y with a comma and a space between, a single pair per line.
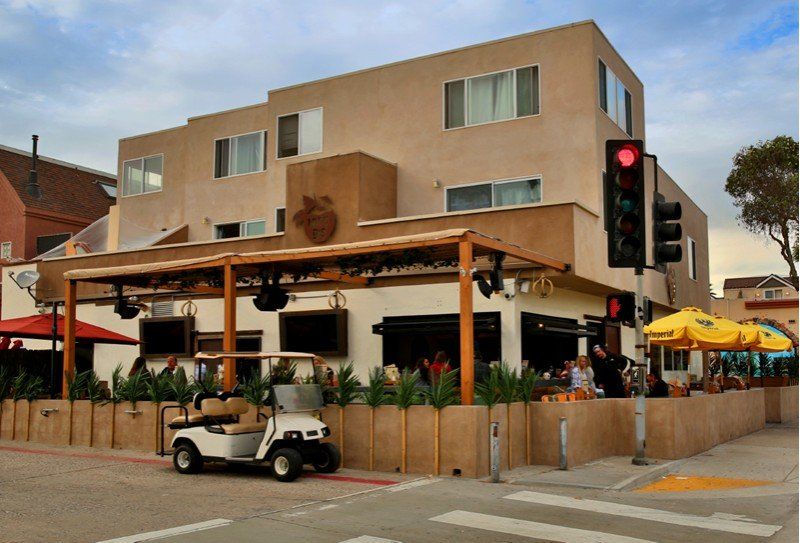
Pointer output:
84, 73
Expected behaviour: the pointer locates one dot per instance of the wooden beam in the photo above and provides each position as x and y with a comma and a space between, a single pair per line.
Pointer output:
202, 289
466, 323
515, 251
342, 278
70, 299
229, 330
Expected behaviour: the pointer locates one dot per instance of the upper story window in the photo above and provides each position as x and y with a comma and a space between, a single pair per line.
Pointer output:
615, 99
108, 188
691, 250
773, 294
142, 175
280, 219
492, 97
5, 250
240, 229
238, 155
300, 133
493, 194
51, 241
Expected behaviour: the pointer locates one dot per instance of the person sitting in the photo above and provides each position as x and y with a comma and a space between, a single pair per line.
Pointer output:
575, 377
585, 365
172, 365
440, 365
482, 369
658, 388
567, 371
139, 366
423, 368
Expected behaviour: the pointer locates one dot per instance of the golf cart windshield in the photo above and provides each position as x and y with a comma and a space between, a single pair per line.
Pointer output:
296, 398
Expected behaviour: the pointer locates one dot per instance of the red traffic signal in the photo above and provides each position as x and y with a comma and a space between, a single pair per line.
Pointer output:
624, 203
621, 307
627, 155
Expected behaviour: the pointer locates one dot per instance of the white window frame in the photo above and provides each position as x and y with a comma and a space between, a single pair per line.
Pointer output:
142, 158
278, 135
492, 183
6, 246
242, 228
214, 154
276, 219
773, 291
691, 261
514, 100
104, 185
600, 106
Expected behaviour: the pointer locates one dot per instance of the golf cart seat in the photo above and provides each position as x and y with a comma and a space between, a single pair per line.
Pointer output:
184, 420
216, 410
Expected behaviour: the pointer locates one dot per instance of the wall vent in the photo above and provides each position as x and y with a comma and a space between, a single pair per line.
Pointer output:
164, 307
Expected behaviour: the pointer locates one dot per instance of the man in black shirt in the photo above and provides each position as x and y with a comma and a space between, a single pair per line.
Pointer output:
608, 372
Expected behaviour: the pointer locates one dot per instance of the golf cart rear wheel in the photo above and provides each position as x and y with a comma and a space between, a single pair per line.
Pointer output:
287, 465
187, 459
328, 458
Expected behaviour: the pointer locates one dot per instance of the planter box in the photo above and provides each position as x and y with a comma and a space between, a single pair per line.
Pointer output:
780, 404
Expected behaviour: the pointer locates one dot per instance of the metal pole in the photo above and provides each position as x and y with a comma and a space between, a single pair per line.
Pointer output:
562, 443
639, 419
53, 352
494, 451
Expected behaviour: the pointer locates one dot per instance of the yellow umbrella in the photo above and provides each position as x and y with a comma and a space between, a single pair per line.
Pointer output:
767, 340
692, 329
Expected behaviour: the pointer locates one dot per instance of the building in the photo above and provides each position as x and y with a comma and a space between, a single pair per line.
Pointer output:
72, 197
768, 298
506, 138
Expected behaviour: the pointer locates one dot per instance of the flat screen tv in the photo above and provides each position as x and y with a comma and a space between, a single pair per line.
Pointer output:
322, 332
164, 336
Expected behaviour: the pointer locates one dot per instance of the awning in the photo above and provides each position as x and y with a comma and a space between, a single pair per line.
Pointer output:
432, 324
41, 327
539, 324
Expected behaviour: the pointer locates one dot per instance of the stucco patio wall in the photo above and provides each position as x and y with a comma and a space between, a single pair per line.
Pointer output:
781, 404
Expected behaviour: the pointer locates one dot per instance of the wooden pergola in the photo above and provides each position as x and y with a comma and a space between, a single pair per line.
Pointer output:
354, 263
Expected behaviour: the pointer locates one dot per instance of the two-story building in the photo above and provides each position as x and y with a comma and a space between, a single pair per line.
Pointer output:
505, 138
771, 299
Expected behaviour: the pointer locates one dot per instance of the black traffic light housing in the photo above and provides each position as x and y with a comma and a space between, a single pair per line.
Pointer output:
625, 204
621, 307
665, 231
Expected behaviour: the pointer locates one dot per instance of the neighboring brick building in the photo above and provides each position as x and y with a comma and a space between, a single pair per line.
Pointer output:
72, 198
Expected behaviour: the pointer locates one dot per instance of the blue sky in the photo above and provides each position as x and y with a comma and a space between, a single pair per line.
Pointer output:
82, 74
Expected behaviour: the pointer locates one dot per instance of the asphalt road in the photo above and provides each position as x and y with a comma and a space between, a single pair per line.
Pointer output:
746, 490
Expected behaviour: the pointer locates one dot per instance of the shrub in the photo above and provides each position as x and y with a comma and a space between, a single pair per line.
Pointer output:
284, 372
76, 385
255, 390
34, 387
375, 394
133, 389
94, 392
406, 392
347, 384
443, 392
489, 391
206, 384
158, 387
182, 389
5, 382
526, 384
507, 383
19, 386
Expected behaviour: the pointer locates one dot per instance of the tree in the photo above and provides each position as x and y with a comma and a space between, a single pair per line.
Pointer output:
763, 184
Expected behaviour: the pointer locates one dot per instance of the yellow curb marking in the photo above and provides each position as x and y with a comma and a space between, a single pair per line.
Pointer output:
684, 483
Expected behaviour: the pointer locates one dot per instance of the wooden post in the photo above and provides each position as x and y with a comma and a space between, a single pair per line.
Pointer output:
341, 434
403, 440
229, 334
371, 438
91, 424
528, 433
466, 322
70, 298
436, 452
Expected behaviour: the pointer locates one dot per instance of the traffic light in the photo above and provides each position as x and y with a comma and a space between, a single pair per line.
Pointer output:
621, 307
664, 232
625, 209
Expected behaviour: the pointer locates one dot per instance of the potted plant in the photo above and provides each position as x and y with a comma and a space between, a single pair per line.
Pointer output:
526, 385
374, 396
76, 386
95, 395
405, 395
345, 390
441, 394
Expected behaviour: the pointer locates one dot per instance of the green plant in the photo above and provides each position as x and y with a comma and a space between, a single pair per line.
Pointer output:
255, 390
117, 382
508, 383
284, 372
76, 385
526, 385
94, 391
406, 393
443, 392
5, 382
375, 394
133, 389
764, 365
158, 387
346, 386
207, 384
34, 387
19, 386
182, 389
489, 391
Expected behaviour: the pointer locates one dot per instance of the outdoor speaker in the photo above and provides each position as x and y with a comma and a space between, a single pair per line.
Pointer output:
124, 310
271, 297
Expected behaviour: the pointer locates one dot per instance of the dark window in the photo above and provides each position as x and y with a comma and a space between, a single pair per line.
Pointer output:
527, 91
469, 197
288, 135
628, 114
225, 231
320, 332
222, 156
280, 219
45, 243
454, 92
602, 84
164, 336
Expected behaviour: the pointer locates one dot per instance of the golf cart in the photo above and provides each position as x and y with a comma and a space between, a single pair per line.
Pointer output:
288, 438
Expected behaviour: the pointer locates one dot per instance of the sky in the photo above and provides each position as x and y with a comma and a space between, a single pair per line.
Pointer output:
82, 74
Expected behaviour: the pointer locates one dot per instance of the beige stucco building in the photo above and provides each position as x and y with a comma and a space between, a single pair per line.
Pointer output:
505, 137
768, 298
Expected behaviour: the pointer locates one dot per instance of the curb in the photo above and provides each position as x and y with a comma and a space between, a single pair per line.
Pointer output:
645, 478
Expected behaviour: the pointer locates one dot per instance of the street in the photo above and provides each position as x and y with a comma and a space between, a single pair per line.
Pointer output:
744, 490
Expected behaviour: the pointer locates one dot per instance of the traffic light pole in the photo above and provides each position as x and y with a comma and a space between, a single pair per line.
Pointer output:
640, 459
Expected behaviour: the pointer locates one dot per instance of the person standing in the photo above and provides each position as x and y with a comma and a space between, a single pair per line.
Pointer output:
440, 365
139, 365
607, 374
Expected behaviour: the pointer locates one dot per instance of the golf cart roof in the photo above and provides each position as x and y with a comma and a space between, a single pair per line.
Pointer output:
233, 354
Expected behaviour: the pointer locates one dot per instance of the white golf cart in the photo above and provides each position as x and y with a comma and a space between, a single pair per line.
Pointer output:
288, 438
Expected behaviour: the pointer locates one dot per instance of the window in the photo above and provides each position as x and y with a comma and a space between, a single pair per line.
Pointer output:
773, 294
240, 229
45, 243
672, 360
280, 219
492, 97
494, 194
109, 189
238, 155
615, 99
300, 133
5, 250
691, 251
142, 175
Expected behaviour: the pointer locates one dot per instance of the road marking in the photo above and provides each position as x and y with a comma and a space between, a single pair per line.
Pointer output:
646, 513
527, 528
188, 528
369, 539
422, 481
349, 479
675, 483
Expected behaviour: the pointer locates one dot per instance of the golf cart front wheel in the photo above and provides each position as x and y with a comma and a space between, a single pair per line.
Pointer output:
287, 465
328, 458
187, 459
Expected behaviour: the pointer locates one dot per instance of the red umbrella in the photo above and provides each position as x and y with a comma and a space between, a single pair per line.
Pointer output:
41, 327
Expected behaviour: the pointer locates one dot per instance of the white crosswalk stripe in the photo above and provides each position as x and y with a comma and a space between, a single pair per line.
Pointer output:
644, 513
369, 539
527, 528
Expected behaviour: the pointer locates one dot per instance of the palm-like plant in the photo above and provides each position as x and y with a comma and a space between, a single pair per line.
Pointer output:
284, 372
34, 387
255, 390
444, 391
508, 384
117, 382
347, 385
94, 391
182, 389
76, 385
206, 384
5, 383
525, 387
134, 388
374, 396
19, 385
489, 391
405, 395
158, 387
